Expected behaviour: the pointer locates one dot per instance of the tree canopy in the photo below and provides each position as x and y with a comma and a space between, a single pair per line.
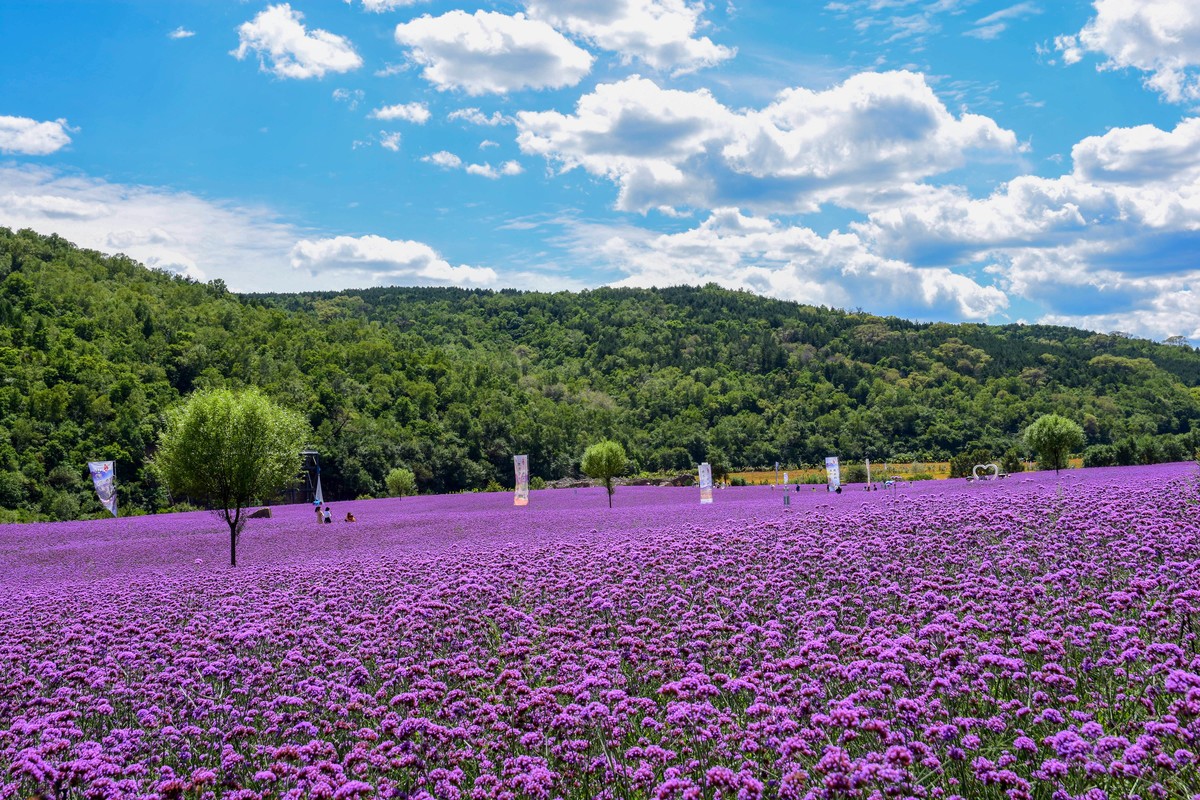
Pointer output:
229, 450
1054, 438
604, 461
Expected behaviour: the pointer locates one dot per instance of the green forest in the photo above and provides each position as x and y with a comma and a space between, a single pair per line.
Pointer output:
451, 383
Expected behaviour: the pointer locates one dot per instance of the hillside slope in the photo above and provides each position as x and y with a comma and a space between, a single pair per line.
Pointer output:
452, 382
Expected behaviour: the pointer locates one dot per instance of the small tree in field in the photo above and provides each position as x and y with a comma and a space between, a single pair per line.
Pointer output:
401, 482
1054, 438
605, 461
228, 449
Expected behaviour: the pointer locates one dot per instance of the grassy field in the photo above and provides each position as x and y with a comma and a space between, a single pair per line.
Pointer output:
940, 470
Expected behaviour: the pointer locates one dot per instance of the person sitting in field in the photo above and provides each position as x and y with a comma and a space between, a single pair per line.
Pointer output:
327, 518
350, 517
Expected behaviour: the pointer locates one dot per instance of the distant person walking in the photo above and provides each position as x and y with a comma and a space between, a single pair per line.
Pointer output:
317, 508
327, 516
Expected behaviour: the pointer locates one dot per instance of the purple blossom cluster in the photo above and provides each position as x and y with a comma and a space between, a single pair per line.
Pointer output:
1031, 638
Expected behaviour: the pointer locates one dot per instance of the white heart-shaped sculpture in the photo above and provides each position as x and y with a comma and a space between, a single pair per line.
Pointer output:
995, 472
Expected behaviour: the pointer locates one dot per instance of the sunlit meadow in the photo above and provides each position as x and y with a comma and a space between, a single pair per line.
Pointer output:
1031, 637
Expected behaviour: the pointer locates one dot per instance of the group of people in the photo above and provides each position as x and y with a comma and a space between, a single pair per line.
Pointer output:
325, 514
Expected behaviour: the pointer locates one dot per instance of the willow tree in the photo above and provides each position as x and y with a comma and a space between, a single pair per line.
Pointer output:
229, 449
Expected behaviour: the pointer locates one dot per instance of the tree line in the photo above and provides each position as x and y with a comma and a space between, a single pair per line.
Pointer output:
450, 383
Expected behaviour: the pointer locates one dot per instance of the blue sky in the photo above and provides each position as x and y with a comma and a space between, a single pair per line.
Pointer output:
956, 160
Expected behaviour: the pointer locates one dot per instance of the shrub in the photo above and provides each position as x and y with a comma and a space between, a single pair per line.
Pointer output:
536, 483
1100, 455
854, 473
963, 464
1011, 461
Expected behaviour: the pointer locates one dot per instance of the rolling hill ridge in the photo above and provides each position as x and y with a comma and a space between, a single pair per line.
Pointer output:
451, 383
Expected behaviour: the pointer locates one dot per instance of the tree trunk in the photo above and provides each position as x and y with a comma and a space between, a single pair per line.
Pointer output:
235, 523
609, 488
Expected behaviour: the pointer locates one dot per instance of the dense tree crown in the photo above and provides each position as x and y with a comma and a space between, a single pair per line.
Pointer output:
451, 383
1054, 438
604, 461
230, 449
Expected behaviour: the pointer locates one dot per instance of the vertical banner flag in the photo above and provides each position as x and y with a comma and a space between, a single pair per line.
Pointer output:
868, 474
521, 466
102, 477
705, 483
834, 472
777, 474
785, 479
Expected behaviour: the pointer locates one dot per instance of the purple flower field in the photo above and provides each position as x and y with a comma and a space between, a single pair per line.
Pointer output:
1035, 637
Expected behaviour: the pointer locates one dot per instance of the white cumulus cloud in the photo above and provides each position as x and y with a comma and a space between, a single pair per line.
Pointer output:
1115, 239
181, 33
477, 117
487, 52
246, 247
32, 138
287, 49
795, 263
379, 6
856, 144
447, 160
486, 170
444, 159
1158, 37
409, 112
660, 33
380, 261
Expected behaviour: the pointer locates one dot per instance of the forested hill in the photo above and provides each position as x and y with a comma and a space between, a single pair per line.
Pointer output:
451, 383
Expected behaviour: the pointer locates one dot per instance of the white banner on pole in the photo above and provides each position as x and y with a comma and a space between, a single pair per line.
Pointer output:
705, 483
521, 467
834, 473
102, 479
785, 480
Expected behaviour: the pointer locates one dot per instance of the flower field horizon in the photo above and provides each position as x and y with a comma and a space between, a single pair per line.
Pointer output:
1035, 637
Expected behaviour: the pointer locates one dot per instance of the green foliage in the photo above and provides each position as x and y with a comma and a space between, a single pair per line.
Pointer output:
604, 461
963, 465
1011, 461
537, 483
401, 482
1100, 455
737, 480
228, 450
854, 473
1054, 438
452, 383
